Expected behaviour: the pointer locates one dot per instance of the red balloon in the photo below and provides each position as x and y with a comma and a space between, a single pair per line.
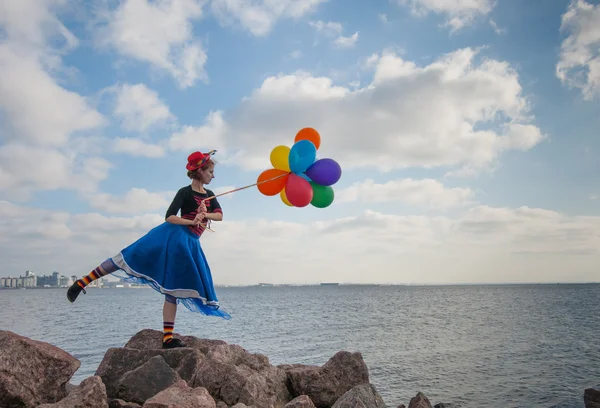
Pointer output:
299, 192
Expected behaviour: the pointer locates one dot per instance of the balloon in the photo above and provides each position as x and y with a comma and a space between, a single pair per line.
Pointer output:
298, 191
326, 172
322, 195
305, 177
302, 154
284, 198
279, 158
273, 187
309, 134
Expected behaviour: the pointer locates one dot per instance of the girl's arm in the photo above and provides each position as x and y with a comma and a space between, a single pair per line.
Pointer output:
171, 215
214, 216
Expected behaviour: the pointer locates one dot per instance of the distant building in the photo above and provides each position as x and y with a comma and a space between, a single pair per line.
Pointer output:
30, 280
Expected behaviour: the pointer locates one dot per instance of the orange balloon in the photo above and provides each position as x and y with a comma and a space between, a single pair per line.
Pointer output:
309, 134
272, 187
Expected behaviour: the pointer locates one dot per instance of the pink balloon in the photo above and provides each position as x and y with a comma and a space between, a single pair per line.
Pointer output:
298, 191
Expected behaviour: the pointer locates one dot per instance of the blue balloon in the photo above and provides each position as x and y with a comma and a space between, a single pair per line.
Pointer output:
302, 154
305, 177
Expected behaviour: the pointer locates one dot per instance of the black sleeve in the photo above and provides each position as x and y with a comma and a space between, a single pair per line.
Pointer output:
215, 206
175, 204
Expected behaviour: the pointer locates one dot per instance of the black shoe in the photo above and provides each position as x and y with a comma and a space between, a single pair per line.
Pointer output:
173, 343
74, 291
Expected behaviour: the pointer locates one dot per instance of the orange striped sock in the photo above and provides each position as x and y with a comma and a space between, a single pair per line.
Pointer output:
168, 333
92, 276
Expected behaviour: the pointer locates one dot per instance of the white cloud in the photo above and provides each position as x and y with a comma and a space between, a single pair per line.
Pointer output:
579, 63
140, 108
135, 201
25, 169
497, 29
33, 22
138, 147
453, 112
207, 137
259, 16
37, 109
483, 244
346, 42
44, 125
459, 13
159, 33
295, 54
334, 30
427, 192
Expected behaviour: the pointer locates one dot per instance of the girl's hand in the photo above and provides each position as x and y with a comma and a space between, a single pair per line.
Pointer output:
199, 218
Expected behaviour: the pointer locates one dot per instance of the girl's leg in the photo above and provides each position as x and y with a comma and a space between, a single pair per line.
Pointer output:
169, 314
105, 268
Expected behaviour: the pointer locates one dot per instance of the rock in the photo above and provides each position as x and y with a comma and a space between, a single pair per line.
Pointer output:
119, 403
146, 381
361, 396
91, 393
443, 405
419, 401
401, 406
118, 361
325, 385
302, 401
69, 387
233, 375
591, 398
32, 372
180, 395
221, 404
149, 339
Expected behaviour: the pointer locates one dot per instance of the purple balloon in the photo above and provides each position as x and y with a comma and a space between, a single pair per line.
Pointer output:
325, 172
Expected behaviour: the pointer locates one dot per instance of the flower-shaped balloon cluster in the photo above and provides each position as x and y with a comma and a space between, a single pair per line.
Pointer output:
297, 176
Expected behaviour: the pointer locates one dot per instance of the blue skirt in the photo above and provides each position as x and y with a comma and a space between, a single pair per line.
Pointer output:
169, 259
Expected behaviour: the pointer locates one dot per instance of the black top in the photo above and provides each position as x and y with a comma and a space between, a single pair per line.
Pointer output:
188, 201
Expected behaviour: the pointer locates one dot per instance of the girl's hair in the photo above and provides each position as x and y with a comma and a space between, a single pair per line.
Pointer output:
192, 173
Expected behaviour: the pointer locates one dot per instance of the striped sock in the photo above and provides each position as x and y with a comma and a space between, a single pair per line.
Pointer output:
168, 334
107, 267
92, 276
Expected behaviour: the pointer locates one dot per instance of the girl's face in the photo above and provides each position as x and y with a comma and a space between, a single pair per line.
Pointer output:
207, 174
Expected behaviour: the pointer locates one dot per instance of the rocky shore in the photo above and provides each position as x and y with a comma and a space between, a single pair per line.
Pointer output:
206, 374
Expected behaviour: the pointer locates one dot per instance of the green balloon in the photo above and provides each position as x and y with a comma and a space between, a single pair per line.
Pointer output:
322, 195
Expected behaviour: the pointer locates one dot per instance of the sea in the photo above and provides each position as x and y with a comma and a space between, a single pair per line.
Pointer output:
469, 346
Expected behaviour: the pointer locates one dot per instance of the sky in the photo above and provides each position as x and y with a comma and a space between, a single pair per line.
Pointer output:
466, 130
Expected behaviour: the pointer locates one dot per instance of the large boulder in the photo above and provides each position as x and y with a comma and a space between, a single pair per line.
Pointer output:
180, 395
591, 398
233, 375
119, 361
149, 339
419, 401
303, 401
361, 396
32, 372
326, 384
91, 393
146, 381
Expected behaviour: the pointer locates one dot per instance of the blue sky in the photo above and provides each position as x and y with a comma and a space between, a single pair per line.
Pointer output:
456, 125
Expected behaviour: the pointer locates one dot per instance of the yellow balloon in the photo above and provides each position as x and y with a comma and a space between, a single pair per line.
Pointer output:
284, 198
279, 158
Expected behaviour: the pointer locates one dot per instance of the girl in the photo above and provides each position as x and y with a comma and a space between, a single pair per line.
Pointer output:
169, 258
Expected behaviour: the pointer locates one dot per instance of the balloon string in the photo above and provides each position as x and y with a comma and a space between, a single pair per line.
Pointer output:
245, 187
207, 225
